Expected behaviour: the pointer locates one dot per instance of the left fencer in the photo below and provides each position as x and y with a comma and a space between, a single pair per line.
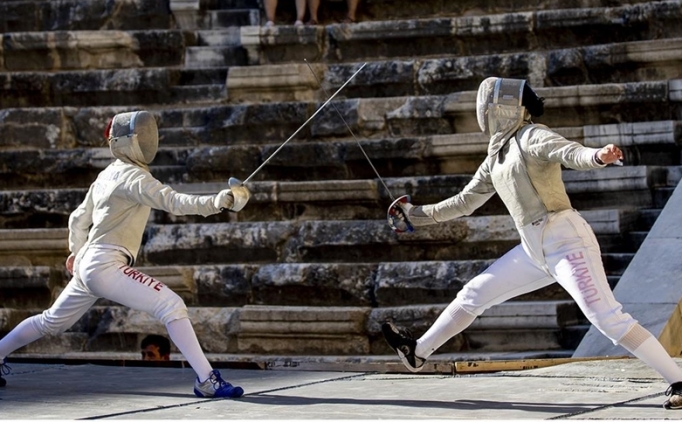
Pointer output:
105, 234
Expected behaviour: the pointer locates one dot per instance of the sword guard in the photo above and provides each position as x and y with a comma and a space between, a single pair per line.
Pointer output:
397, 215
240, 192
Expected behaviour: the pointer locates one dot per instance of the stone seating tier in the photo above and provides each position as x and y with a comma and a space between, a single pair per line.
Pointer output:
48, 15
411, 38
513, 326
27, 85
582, 65
618, 187
38, 15
462, 36
68, 50
308, 252
395, 117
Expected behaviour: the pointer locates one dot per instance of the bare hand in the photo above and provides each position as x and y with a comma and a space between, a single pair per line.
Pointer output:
69, 263
610, 154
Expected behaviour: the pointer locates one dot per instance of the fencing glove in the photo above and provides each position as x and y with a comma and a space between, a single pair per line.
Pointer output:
404, 217
224, 200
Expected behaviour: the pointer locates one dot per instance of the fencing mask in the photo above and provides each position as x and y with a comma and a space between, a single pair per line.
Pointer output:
502, 106
134, 137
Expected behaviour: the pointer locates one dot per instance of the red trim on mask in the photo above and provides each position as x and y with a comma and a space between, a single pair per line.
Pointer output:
107, 130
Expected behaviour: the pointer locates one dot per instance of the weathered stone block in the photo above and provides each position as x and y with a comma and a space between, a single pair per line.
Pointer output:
314, 284
308, 330
33, 247
406, 283
224, 285
289, 82
215, 243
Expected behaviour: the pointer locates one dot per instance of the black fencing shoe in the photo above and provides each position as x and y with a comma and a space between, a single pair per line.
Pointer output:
4, 370
675, 394
404, 344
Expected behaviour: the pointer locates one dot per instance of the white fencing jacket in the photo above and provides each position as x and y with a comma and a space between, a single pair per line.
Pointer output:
117, 206
526, 173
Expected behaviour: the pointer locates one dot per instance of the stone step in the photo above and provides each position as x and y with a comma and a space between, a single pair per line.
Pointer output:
233, 18
108, 49
203, 76
29, 287
198, 94
589, 64
64, 15
461, 36
118, 87
615, 187
406, 9
244, 124
315, 330
439, 363
219, 37
642, 143
483, 237
214, 56
229, 4
285, 284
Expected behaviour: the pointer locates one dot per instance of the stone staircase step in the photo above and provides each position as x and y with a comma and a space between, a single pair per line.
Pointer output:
37, 15
73, 50
405, 9
395, 117
440, 363
198, 94
308, 329
289, 284
462, 36
470, 238
28, 287
116, 87
219, 37
591, 64
438, 154
612, 187
617, 262
203, 76
661, 196
233, 18
230, 4
214, 56
285, 284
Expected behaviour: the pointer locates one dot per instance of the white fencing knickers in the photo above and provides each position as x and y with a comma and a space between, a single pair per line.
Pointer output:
571, 257
103, 272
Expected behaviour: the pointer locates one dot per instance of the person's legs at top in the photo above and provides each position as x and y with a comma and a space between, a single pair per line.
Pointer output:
270, 10
512, 275
352, 9
313, 5
574, 258
106, 273
300, 12
70, 305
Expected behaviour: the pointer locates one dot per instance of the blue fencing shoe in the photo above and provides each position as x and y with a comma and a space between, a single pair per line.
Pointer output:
216, 386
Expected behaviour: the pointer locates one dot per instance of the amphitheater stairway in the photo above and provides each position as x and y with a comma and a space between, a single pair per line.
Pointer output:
310, 267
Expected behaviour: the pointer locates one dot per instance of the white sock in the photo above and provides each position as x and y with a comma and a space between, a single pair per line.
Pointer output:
20, 336
641, 343
451, 322
182, 334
